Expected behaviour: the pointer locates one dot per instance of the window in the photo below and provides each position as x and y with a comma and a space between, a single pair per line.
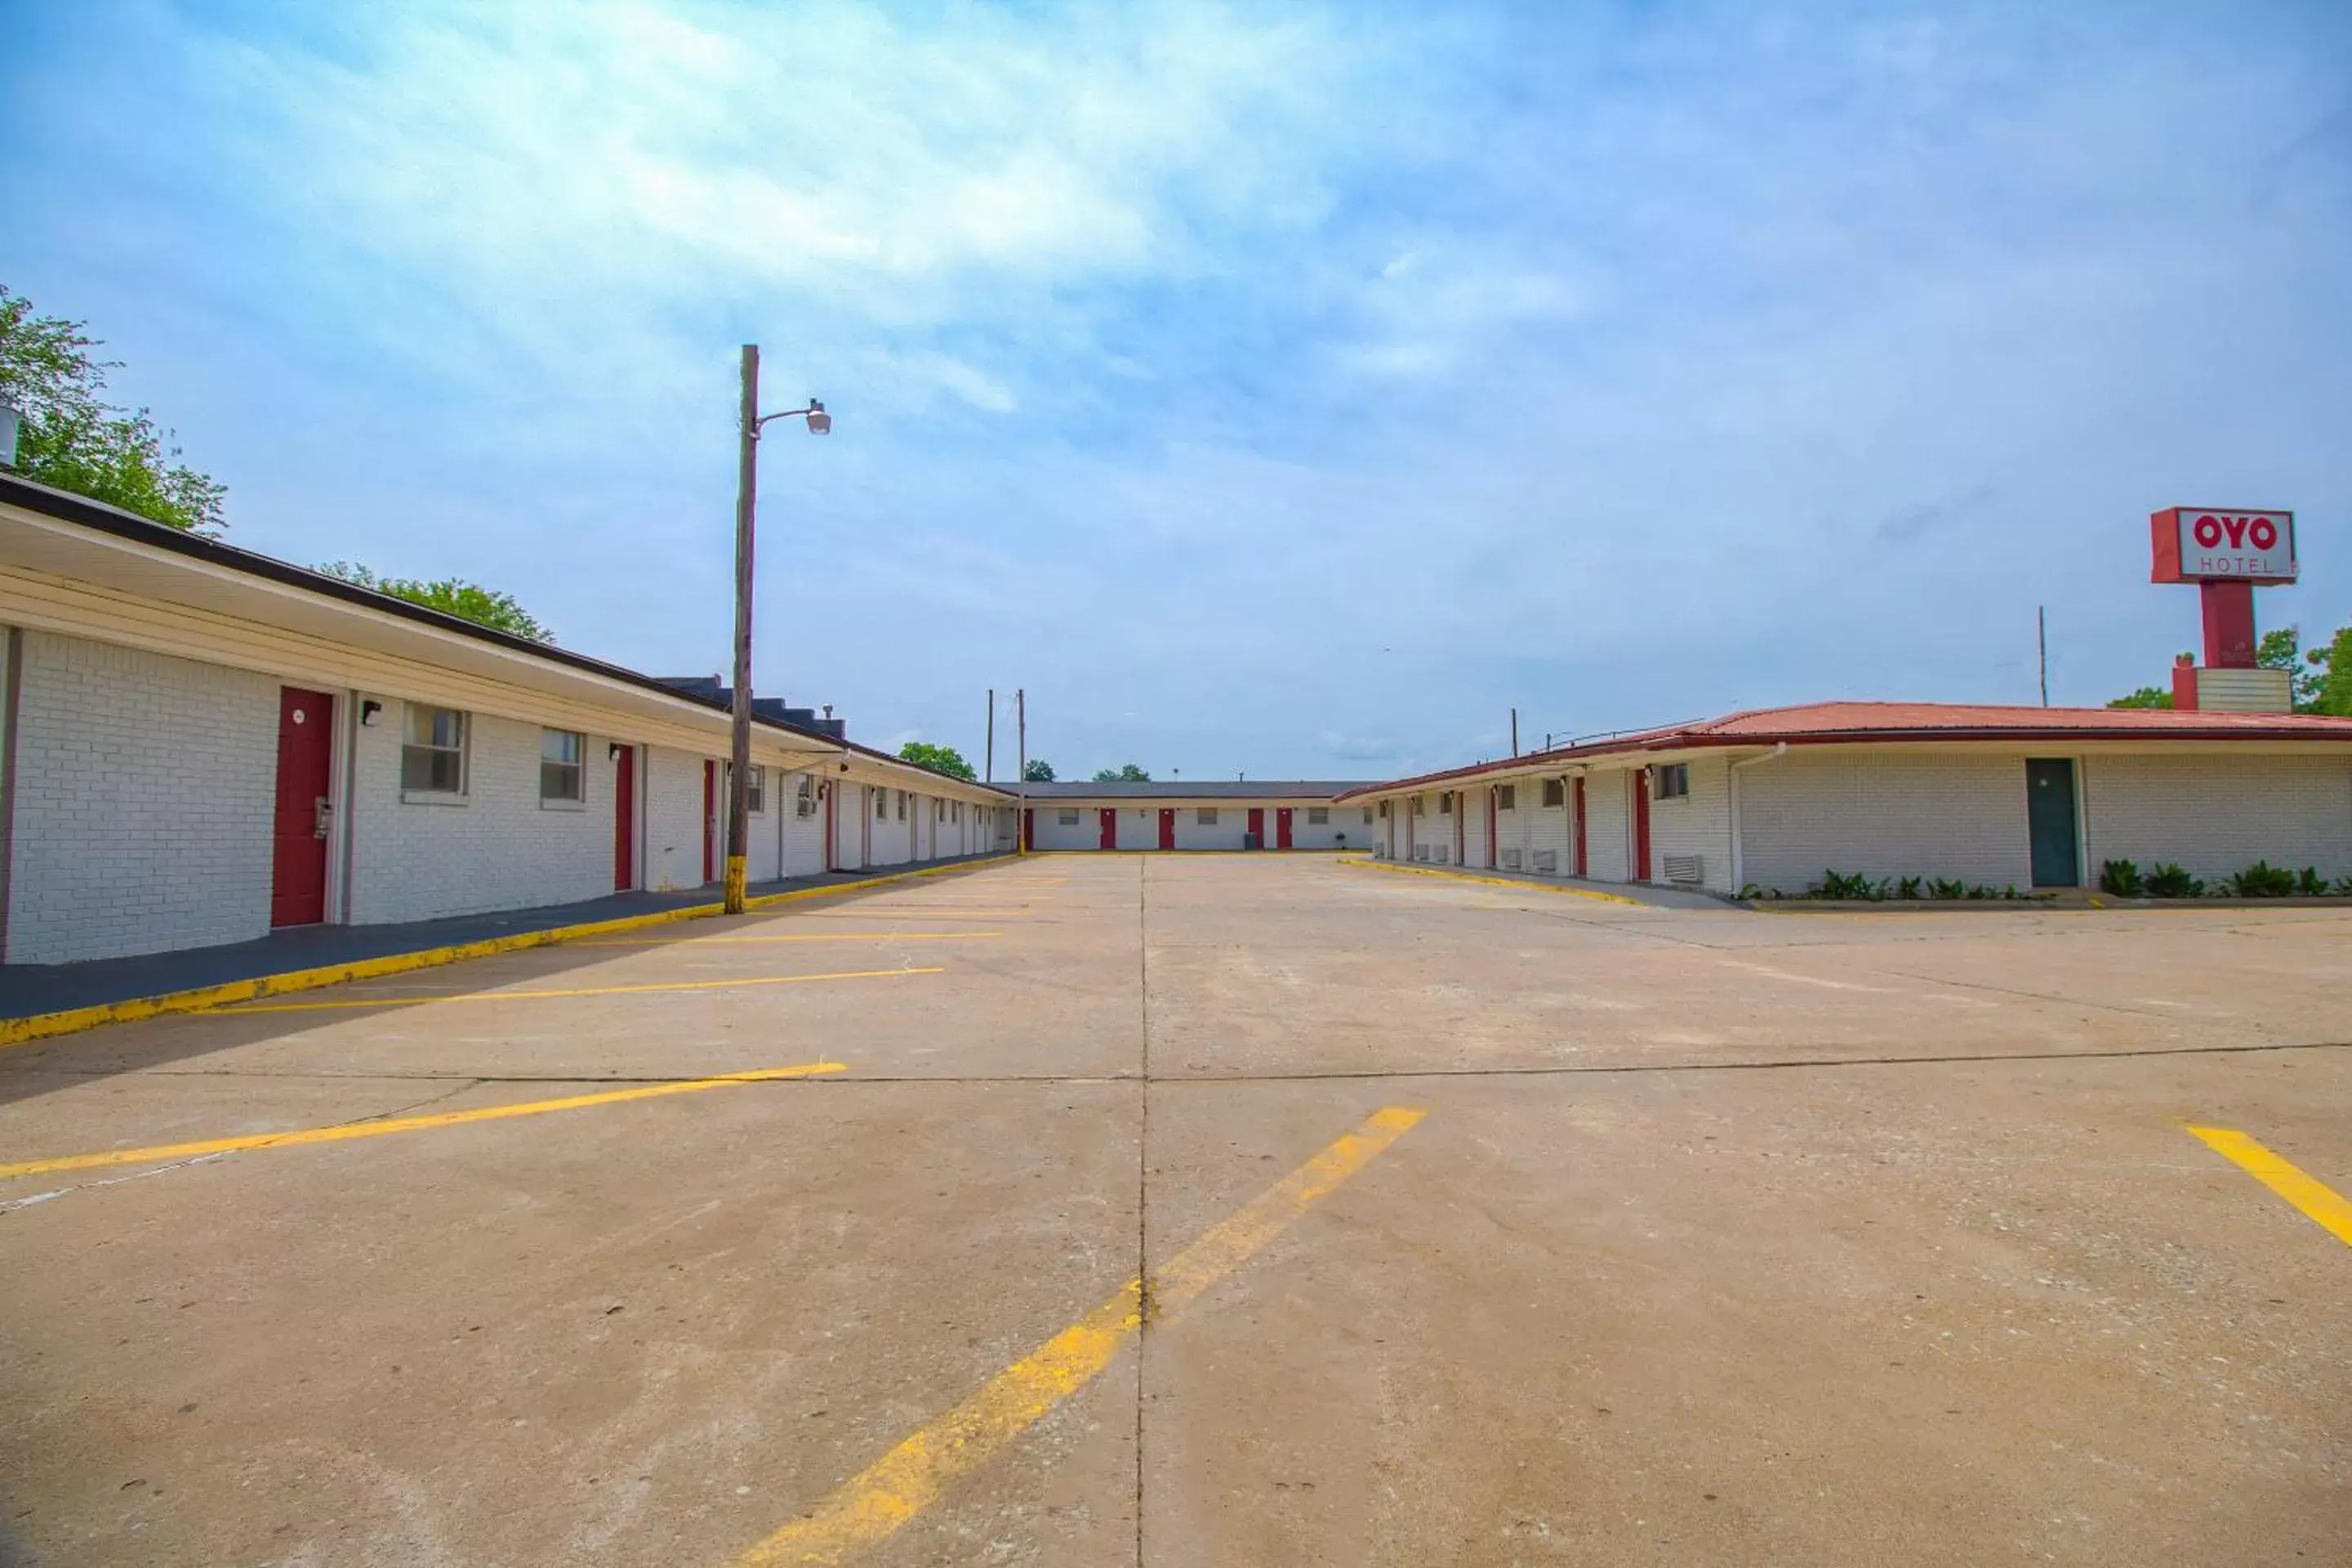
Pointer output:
1415, 807
1555, 792
561, 776
1507, 797
902, 806
1069, 819
1205, 817
1318, 817
1368, 813
1671, 781
1445, 803
433, 751
755, 798
804, 797
881, 806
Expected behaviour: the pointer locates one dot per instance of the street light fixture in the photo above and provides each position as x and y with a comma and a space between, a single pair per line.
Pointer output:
747, 486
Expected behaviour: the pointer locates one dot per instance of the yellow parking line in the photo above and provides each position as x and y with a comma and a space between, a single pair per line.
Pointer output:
802, 936
573, 991
2318, 1201
901, 1483
403, 1123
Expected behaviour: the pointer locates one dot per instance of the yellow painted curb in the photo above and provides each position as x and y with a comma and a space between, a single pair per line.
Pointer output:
1492, 881
49, 1026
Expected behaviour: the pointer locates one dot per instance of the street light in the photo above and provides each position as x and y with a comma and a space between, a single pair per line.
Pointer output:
747, 486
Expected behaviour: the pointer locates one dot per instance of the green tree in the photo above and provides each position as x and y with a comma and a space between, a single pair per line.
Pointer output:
1129, 773
2331, 689
451, 596
74, 440
2146, 697
1039, 771
2282, 649
938, 759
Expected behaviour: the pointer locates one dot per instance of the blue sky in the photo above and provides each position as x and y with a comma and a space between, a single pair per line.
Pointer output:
1281, 389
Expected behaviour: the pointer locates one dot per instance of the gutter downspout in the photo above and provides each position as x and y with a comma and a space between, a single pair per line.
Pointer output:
1738, 837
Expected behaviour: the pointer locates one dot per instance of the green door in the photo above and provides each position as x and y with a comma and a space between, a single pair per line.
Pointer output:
2050, 821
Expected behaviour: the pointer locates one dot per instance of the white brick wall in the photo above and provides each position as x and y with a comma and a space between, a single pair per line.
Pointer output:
803, 836
145, 788
1929, 813
1545, 828
673, 815
1609, 825
2219, 815
501, 849
1697, 824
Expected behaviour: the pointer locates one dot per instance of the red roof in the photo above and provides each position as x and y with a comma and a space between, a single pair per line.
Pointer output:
1829, 723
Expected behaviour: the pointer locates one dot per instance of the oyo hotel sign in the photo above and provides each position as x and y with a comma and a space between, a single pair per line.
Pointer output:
2221, 545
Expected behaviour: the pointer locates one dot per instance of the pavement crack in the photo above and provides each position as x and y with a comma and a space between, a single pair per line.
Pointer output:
1142, 1175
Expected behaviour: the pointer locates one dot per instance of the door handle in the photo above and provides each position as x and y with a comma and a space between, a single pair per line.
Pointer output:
321, 815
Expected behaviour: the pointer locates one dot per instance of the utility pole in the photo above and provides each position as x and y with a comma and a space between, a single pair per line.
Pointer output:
2041, 642
747, 482
738, 776
1021, 728
987, 771
1515, 732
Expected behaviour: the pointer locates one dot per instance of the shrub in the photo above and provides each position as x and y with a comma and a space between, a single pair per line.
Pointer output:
2170, 881
2310, 883
2343, 888
1942, 889
1840, 885
1908, 888
2121, 879
2262, 880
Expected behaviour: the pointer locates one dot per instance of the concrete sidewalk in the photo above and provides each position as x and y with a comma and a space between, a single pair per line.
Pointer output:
1663, 898
27, 990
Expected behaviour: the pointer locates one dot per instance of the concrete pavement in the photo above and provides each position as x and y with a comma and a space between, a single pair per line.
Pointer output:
1722, 1238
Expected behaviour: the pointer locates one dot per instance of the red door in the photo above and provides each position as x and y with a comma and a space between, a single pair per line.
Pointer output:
1257, 825
1461, 811
1282, 828
1109, 827
831, 792
1579, 862
1028, 829
1168, 827
625, 821
298, 861
1490, 829
709, 821
1641, 825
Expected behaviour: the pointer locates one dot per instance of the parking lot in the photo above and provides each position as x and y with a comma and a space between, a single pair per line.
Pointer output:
1476, 1224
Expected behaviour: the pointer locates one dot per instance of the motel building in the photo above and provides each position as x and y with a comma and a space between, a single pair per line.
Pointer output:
199, 745
1768, 800
1277, 814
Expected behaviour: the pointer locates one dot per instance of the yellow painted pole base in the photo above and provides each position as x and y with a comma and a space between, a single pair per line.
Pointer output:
732, 901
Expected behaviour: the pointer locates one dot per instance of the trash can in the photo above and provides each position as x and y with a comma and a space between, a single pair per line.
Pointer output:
1253, 840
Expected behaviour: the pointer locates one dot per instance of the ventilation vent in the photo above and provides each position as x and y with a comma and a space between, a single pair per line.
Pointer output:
1420, 851
1684, 868
1547, 860
1510, 859
1438, 855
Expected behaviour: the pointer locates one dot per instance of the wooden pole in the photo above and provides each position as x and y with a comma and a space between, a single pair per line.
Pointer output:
739, 780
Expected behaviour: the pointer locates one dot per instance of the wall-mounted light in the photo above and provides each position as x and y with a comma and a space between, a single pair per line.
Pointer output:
369, 708
613, 752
